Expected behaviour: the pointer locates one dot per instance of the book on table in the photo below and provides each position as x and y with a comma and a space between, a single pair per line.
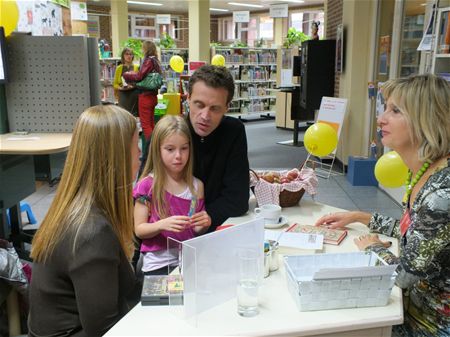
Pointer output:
330, 236
156, 289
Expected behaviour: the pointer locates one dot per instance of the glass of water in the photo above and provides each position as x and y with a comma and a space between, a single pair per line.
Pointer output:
249, 265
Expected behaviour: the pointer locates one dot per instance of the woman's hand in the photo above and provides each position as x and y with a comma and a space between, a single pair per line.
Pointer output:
175, 223
200, 221
335, 220
342, 219
367, 240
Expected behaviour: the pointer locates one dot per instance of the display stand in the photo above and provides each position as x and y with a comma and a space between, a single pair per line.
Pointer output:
332, 112
209, 267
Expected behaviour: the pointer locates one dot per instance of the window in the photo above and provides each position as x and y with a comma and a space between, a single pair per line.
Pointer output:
258, 27
226, 29
145, 26
266, 27
302, 21
248, 31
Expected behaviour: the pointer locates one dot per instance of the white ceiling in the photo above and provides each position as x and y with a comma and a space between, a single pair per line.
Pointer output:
181, 6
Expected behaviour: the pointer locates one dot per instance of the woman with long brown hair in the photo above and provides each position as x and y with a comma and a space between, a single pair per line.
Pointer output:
83, 281
128, 95
147, 99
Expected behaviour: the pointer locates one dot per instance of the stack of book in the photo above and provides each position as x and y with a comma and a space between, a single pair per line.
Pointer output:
156, 289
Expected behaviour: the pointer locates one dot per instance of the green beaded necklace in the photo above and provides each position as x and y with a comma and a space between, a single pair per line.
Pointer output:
411, 183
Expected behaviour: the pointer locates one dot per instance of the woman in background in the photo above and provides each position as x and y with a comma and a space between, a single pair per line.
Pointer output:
83, 282
147, 98
128, 95
416, 125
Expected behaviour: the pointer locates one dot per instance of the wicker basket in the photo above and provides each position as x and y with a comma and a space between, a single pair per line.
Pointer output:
287, 198
337, 281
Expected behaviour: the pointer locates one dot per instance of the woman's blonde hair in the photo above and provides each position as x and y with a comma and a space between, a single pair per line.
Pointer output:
97, 173
425, 101
149, 49
166, 127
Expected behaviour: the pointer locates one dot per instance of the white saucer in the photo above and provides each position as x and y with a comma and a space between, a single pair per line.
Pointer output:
283, 221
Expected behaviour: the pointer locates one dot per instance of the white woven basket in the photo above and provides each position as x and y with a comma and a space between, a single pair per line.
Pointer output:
336, 281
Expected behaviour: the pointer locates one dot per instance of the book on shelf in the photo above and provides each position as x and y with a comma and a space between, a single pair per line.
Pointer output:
330, 236
156, 289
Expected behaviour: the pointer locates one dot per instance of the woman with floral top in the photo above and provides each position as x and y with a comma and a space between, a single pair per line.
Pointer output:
416, 124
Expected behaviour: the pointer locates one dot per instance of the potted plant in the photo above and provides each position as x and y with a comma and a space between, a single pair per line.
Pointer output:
293, 37
215, 44
135, 45
166, 41
239, 44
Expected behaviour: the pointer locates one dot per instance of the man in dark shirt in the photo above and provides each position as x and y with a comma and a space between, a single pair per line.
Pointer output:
219, 144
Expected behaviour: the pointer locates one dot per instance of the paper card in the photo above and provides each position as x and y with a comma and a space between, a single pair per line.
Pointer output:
295, 240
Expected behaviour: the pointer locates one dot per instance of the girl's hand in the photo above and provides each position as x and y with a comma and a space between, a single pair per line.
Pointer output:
201, 221
367, 240
335, 220
176, 223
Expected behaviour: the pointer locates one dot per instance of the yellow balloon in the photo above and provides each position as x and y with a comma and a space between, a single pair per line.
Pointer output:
320, 139
390, 170
177, 63
9, 15
218, 60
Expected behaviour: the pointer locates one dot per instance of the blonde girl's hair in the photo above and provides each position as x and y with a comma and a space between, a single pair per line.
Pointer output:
166, 127
97, 173
149, 49
425, 101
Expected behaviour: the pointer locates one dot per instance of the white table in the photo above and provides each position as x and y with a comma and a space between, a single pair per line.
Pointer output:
279, 315
17, 174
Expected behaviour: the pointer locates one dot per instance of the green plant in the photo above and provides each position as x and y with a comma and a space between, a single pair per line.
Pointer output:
238, 43
166, 41
215, 44
259, 43
294, 36
135, 45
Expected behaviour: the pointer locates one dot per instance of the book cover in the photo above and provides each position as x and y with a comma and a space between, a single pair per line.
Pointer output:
330, 236
156, 288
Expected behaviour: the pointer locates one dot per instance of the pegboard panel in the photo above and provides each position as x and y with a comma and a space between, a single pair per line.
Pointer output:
49, 82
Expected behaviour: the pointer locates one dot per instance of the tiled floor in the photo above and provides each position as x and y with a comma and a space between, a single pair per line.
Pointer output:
335, 191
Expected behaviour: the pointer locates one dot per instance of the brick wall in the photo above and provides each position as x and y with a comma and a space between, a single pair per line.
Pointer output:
214, 30
333, 18
104, 21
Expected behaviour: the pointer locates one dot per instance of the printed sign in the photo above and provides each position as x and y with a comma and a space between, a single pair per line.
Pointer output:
78, 11
332, 112
194, 65
242, 16
163, 19
279, 11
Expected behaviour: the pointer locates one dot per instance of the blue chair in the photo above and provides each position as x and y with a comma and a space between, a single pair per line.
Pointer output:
24, 207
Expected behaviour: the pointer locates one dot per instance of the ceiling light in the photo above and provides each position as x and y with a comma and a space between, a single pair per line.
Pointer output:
245, 5
218, 9
295, 1
144, 3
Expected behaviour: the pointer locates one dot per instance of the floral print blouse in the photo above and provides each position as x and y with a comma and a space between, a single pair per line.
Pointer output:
424, 262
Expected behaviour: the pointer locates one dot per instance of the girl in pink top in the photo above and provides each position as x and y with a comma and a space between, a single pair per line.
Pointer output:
169, 199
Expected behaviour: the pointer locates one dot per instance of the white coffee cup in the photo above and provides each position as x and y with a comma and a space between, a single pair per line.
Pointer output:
270, 212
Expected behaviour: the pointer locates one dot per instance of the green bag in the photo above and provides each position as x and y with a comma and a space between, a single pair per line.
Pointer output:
153, 81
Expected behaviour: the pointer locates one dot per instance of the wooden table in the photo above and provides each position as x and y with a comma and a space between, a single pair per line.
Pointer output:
17, 176
279, 315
